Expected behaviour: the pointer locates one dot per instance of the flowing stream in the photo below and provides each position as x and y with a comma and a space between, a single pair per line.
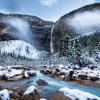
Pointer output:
53, 85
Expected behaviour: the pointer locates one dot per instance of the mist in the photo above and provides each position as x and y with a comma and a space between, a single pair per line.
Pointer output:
19, 28
85, 23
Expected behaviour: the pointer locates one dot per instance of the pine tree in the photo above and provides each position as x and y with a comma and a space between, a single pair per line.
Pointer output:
77, 48
64, 45
89, 47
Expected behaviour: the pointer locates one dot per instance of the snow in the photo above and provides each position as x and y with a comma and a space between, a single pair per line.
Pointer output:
18, 48
43, 99
4, 94
10, 72
86, 24
31, 71
20, 30
26, 74
75, 93
30, 90
87, 71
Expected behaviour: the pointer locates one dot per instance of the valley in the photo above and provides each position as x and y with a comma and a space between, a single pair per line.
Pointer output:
46, 60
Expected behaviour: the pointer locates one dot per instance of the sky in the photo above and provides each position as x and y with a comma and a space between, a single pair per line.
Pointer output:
50, 10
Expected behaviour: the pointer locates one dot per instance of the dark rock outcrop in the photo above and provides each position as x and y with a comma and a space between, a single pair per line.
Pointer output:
41, 82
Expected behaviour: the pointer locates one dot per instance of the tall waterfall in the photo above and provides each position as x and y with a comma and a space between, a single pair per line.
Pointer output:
51, 41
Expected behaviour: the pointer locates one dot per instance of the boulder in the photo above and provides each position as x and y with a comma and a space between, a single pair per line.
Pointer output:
61, 77
31, 72
41, 82
25, 74
97, 83
66, 78
5, 78
59, 96
94, 78
84, 77
31, 96
61, 73
69, 77
55, 73
48, 71
15, 78
14, 96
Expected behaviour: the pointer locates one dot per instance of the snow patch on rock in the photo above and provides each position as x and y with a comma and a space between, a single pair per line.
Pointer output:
30, 90
4, 94
74, 94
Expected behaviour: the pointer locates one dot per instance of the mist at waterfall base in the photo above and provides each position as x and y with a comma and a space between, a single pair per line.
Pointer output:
18, 28
85, 23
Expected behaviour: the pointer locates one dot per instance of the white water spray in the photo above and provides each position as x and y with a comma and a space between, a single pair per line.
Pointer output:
51, 42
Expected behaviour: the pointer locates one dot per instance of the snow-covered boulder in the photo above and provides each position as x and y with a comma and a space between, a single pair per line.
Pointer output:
74, 94
13, 74
30, 89
31, 94
4, 94
31, 72
26, 74
88, 72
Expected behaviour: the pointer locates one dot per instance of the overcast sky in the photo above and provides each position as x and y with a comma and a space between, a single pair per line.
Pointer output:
46, 9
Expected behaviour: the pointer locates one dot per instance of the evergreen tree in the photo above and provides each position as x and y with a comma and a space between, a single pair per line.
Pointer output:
90, 48
77, 50
64, 45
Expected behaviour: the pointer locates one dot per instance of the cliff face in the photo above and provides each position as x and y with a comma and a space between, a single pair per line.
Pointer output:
80, 21
40, 30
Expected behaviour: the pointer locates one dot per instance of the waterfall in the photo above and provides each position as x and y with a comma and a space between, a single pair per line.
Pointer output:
51, 41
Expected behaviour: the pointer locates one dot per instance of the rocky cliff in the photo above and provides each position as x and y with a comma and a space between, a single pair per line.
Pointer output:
39, 28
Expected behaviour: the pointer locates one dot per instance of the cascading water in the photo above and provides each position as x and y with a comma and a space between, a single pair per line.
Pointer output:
51, 42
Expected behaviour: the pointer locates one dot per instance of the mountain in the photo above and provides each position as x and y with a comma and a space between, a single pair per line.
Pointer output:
80, 22
24, 27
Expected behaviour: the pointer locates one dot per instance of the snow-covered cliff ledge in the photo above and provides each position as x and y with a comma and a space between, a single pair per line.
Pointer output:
19, 48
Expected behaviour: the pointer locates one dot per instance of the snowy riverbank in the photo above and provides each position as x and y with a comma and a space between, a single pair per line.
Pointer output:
13, 73
32, 93
83, 75
44, 86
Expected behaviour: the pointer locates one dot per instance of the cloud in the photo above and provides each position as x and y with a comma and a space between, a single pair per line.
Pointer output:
19, 28
86, 22
48, 3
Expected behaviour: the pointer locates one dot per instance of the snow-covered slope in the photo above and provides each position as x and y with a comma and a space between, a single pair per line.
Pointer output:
19, 48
